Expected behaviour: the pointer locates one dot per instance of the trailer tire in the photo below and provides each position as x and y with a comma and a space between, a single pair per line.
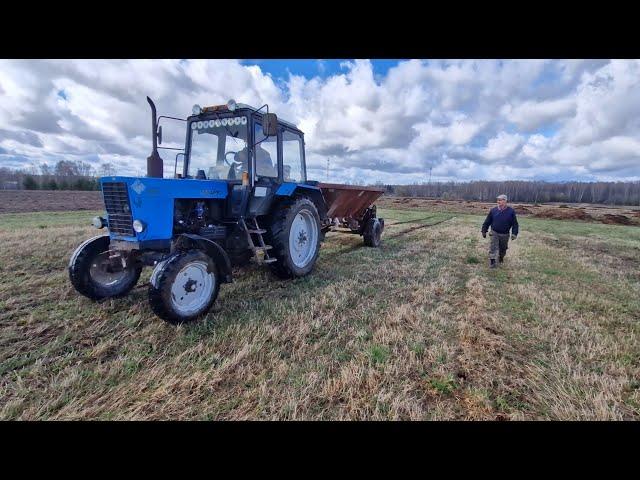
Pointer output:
295, 223
372, 233
168, 294
87, 278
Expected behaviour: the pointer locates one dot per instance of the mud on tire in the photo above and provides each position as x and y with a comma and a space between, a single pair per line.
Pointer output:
290, 210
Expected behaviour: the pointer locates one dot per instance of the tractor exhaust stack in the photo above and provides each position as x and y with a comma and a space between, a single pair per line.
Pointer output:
155, 165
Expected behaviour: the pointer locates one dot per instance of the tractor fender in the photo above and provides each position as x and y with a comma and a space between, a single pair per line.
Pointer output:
216, 252
310, 191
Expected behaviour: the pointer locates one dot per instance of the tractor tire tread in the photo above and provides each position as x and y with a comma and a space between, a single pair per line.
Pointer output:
372, 233
79, 269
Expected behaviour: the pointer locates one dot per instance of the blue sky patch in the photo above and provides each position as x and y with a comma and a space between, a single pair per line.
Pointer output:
281, 68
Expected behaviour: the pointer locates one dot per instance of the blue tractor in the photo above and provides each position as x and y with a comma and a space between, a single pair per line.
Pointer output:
242, 194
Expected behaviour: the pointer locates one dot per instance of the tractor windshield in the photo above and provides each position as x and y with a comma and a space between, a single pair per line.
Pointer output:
218, 148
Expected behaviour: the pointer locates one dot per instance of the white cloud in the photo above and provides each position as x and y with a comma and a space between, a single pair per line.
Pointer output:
465, 119
607, 104
530, 115
502, 146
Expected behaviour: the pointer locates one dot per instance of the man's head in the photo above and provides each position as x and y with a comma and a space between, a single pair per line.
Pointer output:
502, 201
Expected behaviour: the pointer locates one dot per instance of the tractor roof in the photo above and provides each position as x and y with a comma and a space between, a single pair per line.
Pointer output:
280, 120
223, 108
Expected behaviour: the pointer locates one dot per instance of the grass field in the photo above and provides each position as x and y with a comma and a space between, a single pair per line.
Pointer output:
418, 329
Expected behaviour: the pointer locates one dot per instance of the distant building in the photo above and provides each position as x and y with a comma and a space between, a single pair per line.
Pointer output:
9, 185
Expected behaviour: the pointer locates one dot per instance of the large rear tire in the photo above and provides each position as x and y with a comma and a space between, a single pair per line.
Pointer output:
92, 275
184, 286
295, 236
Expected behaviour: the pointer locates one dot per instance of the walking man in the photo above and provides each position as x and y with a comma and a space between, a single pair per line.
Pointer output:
501, 219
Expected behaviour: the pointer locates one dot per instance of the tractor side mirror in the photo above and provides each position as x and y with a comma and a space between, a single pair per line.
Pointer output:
160, 135
269, 125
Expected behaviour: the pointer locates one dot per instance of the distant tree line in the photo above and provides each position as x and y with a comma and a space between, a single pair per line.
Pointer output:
64, 175
611, 193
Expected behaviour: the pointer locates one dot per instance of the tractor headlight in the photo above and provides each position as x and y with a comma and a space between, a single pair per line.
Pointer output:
138, 226
243, 120
196, 109
98, 222
231, 105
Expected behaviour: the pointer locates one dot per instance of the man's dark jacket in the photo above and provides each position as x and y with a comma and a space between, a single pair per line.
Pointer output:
501, 221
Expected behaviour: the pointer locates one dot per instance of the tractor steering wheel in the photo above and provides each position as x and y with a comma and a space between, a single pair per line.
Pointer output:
232, 163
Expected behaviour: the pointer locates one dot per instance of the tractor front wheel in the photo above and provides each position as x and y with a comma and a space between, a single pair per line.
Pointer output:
95, 276
184, 286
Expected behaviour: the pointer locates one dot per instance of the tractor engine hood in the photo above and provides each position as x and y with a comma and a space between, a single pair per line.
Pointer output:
151, 202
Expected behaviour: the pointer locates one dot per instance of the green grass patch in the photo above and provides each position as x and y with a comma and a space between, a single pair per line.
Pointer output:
444, 386
378, 354
42, 220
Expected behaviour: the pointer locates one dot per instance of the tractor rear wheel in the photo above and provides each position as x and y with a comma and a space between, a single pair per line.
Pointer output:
372, 233
95, 276
184, 286
295, 236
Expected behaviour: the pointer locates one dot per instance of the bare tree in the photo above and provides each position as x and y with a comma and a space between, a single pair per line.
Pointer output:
107, 170
615, 193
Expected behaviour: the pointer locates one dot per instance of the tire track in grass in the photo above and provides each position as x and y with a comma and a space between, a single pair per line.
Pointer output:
395, 235
412, 229
410, 221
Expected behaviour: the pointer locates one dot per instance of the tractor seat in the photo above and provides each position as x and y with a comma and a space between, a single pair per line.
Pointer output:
219, 172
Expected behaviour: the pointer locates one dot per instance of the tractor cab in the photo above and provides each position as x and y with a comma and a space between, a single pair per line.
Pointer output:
251, 150
235, 141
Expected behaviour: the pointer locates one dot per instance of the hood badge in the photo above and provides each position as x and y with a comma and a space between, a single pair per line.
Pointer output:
138, 187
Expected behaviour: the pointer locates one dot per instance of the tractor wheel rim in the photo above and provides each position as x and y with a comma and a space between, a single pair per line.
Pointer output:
192, 288
99, 274
303, 238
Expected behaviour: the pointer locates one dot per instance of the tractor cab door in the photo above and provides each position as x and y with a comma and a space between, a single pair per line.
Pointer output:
293, 161
266, 172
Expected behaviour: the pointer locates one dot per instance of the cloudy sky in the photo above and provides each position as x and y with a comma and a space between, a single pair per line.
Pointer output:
378, 120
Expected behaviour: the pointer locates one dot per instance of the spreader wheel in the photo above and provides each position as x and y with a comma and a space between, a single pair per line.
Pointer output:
373, 233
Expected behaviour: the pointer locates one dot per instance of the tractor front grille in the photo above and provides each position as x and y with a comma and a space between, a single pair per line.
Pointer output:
116, 201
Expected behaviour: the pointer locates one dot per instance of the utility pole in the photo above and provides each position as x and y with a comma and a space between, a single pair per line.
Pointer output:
327, 169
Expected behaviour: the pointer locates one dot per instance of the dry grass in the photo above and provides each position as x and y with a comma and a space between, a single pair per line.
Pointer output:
418, 329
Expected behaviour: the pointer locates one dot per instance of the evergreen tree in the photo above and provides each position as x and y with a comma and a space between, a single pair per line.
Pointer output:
29, 183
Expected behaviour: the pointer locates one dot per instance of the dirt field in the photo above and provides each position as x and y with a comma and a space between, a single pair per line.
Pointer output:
13, 201
417, 329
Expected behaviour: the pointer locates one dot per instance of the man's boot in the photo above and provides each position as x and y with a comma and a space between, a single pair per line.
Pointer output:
501, 258
492, 263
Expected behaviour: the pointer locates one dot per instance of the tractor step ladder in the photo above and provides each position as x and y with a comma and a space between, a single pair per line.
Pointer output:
260, 251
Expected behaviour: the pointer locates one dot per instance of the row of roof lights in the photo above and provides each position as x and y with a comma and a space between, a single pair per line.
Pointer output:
219, 122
